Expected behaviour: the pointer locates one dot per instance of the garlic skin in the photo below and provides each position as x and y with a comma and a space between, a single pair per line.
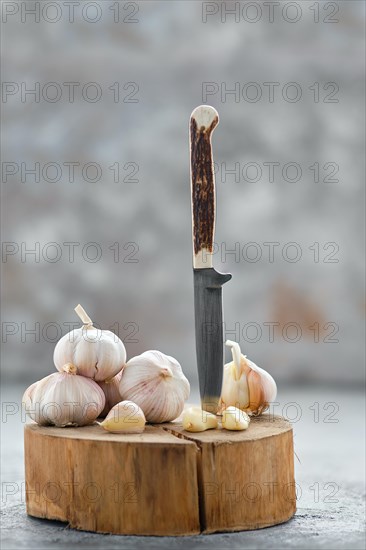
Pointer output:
64, 399
235, 419
156, 383
97, 354
125, 417
245, 385
27, 399
197, 420
111, 392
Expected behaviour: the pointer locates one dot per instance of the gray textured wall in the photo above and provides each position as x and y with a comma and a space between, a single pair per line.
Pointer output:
169, 52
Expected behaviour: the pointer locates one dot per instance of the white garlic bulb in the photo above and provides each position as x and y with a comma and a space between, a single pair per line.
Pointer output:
111, 392
155, 382
196, 420
245, 385
97, 354
125, 417
235, 419
64, 399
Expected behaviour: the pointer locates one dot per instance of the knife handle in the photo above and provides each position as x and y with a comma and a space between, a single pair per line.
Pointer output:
203, 121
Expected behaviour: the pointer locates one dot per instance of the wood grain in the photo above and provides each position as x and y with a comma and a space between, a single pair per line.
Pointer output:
163, 482
246, 478
111, 483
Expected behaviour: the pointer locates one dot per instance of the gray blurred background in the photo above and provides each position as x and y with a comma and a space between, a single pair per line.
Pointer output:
162, 55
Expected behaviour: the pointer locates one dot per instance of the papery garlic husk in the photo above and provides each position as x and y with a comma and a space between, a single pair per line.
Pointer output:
125, 417
197, 420
234, 419
64, 399
155, 382
245, 385
111, 392
28, 397
97, 354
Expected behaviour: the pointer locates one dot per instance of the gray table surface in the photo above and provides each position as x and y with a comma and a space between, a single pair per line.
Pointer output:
329, 443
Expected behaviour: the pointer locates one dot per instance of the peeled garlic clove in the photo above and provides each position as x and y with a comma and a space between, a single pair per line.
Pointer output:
125, 417
235, 419
197, 420
64, 399
156, 383
111, 391
97, 354
245, 385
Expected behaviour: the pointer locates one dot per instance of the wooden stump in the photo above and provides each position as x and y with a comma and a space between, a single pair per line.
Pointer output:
165, 481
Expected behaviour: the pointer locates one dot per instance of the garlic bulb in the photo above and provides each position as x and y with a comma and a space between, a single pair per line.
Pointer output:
235, 419
64, 399
245, 385
125, 417
97, 354
197, 420
111, 392
156, 383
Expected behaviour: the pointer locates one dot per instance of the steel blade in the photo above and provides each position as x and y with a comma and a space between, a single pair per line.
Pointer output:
209, 334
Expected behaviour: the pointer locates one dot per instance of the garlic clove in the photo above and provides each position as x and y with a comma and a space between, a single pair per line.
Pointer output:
97, 354
197, 420
235, 389
125, 417
258, 402
262, 388
235, 419
156, 383
245, 385
64, 399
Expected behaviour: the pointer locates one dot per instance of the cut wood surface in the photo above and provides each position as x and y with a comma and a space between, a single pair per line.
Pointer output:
165, 481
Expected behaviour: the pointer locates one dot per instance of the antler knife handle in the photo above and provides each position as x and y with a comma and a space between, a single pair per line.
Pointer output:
204, 120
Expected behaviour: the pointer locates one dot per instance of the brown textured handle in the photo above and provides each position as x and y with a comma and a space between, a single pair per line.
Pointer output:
203, 121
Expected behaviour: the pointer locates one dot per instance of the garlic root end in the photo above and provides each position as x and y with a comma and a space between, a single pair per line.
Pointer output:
69, 368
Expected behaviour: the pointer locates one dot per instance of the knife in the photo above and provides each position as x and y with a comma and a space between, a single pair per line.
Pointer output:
207, 281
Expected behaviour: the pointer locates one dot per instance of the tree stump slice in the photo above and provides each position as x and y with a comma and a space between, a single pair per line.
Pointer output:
165, 481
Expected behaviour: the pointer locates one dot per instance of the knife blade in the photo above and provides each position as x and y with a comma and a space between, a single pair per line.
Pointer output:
207, 281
